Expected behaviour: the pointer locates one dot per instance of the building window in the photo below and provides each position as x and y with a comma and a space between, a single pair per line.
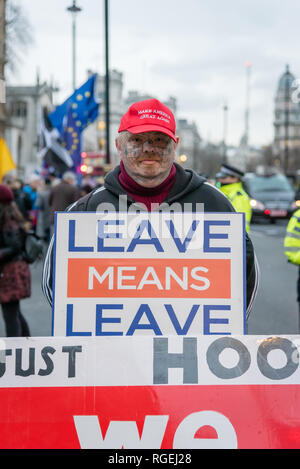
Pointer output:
19, 109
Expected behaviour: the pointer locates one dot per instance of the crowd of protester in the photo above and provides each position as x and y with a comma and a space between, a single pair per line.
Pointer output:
39, 196
28, 207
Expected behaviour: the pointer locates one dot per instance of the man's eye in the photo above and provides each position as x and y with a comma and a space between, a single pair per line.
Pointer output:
161, 140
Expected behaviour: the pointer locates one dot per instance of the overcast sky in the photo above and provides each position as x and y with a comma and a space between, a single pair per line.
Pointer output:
192, 49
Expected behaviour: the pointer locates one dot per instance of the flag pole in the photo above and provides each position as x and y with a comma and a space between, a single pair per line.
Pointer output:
2, 65
107, 104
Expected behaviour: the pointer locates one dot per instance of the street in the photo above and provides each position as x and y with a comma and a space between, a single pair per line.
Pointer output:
275, 310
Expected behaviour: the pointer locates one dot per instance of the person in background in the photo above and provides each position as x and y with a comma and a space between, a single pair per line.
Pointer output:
15, 277
230, 183
31, 189
21, 198
53, 176
292, 249
85, 189
44, 212
63, 194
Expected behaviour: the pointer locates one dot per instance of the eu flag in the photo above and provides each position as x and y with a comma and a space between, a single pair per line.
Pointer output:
84, 105
71, 138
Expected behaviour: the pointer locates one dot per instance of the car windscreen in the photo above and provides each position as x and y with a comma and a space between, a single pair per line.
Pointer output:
270, 183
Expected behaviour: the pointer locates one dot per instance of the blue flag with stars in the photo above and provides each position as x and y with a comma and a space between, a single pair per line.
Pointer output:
71, 139
84, 105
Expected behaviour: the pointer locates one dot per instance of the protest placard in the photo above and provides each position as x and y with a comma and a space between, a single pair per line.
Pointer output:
122, 274
150, 392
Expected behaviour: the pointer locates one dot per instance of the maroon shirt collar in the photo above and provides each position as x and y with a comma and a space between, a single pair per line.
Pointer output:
146, 195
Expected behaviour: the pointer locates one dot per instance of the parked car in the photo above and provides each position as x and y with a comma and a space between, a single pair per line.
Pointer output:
272, 196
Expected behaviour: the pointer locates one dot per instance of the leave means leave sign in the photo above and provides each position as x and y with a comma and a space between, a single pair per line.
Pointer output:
120, 274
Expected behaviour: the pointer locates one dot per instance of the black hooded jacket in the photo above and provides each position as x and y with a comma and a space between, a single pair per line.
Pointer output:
188, 188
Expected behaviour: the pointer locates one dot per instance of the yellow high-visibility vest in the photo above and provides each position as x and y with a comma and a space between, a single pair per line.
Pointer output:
239, 199
292, 239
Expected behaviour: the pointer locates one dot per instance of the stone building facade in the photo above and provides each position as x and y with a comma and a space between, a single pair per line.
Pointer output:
23, 115
286, 143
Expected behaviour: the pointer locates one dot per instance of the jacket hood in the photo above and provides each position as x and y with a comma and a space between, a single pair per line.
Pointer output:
186, 181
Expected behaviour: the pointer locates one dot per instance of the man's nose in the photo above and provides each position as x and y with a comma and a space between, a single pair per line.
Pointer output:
148, 145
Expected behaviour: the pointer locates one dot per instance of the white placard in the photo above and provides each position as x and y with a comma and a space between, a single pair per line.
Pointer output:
120, 274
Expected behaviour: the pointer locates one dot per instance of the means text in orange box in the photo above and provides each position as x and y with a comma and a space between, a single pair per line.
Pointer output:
149, 278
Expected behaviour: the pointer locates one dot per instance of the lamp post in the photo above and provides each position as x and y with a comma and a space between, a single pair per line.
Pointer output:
74, 9
107, 105
248, 71
287, 90
224, 156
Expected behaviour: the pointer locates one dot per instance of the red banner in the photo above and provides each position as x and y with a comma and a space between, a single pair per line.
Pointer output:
254, 416
150, 392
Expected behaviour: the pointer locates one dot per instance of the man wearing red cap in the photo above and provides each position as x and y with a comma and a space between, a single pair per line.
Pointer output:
148, 176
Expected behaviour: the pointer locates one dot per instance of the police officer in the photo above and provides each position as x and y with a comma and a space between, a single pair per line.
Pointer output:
229, 182
292, 247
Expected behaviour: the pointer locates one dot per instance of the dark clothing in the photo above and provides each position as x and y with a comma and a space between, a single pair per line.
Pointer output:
61, 196
44, 221
188, 188
12, 240
15, 323
23, 202
15, 279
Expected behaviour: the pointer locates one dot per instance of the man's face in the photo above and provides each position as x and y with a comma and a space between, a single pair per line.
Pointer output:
228, 180
147, 157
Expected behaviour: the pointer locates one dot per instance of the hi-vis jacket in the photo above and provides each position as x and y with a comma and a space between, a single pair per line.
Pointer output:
188, 188
239, 199
292, 239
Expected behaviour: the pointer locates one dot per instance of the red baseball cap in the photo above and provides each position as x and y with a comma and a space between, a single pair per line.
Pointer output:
149, 116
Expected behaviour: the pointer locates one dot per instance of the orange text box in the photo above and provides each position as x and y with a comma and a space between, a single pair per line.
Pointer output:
148, 278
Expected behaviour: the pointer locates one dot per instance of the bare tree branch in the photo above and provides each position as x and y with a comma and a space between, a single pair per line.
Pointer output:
18, 35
